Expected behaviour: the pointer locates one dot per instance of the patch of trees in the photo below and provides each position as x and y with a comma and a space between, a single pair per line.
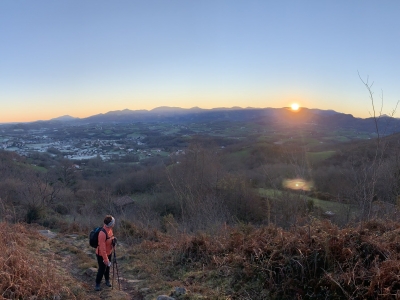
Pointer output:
205, 187
164, 141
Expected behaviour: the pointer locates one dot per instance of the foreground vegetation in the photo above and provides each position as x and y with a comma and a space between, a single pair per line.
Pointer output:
313, 261
25, 273
316, 261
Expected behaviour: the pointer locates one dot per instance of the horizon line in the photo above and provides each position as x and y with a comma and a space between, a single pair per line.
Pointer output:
167, 107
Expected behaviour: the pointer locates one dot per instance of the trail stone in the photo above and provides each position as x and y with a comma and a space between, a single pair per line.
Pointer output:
134, 280
91, 272
73, 236
165, 297
144, 290
47, 233
179, 291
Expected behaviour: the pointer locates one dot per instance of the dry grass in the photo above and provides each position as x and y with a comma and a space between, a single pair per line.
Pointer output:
315, 261
319, 261
24, 273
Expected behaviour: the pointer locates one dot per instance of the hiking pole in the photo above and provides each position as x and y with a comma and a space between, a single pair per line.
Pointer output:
116, 264
112, 286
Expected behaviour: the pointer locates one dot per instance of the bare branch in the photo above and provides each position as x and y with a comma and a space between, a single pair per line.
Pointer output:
371, 96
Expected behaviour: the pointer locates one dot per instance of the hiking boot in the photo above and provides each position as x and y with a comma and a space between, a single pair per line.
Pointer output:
97, 287
108, 283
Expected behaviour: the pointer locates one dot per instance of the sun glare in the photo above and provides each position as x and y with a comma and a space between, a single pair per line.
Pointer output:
295, 106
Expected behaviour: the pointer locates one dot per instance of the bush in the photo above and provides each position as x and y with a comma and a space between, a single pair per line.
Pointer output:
53, 222
241, 200
131, 231
62, 209
34, 213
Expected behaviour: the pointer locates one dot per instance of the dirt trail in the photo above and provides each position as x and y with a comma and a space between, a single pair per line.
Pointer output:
74, 255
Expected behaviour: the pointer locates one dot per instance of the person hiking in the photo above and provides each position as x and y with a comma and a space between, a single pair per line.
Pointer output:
106, 243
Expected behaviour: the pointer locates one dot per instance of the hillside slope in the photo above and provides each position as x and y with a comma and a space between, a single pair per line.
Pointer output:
317, 261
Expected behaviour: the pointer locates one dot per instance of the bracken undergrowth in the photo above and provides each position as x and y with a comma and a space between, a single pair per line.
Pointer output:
316, 261
313, 261
23, 273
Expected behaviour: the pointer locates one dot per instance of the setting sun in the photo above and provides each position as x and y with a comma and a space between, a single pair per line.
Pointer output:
295, 106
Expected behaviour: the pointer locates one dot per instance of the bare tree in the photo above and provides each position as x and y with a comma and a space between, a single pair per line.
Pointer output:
366, 169
194, 179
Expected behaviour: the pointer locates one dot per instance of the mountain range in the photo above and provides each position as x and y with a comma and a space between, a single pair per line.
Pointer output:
268, 116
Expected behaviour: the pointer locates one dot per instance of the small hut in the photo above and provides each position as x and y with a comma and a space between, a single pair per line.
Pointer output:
123, 203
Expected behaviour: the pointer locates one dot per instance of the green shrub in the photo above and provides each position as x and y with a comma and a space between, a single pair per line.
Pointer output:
34, 213
62, 209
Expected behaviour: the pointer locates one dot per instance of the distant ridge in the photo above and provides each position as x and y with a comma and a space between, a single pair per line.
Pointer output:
168, 108
64, 118
283, 117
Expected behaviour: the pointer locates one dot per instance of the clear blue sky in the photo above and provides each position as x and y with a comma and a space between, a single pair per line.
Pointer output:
87, 57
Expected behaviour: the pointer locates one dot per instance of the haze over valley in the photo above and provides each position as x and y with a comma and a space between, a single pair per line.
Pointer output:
131, 134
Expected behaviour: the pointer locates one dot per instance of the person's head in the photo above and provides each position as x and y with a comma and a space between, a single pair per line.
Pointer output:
109, 221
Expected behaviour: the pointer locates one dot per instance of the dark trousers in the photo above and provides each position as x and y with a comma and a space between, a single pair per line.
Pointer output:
103, 269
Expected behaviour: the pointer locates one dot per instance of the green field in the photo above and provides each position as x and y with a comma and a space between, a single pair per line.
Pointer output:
135, 135
239, 154
338, 138
171, 131
40, 169
335, 207
315, 157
